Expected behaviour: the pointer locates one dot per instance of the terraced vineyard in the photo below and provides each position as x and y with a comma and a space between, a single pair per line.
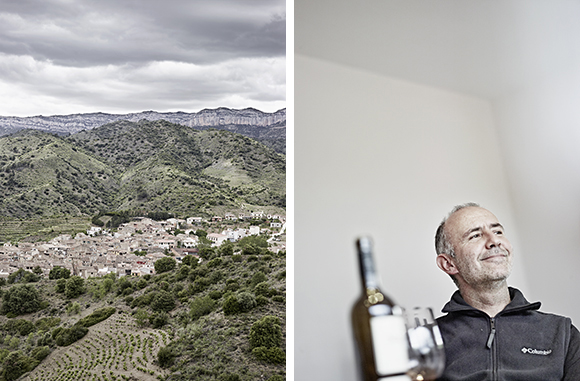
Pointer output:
40, 229
107, 353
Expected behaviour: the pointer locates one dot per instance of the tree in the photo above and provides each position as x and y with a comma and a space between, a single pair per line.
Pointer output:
16, 364
164, 264
75, 286
226, 248
22, 276
58, 272
165, 357
201, 233
163, 301
21, 299
37, 270
190, 260
141, 317
201, 306
60, 285
254, 240
266, 332
231, 305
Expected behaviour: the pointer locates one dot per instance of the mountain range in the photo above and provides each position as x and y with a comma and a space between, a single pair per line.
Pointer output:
269, 128
138, 166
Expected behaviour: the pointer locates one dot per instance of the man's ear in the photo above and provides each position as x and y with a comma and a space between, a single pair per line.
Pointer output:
447, 264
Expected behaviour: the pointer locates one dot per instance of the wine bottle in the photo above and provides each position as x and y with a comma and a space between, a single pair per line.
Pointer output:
378, 326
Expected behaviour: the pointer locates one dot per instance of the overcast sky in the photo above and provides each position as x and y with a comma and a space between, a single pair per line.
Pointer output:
118, 56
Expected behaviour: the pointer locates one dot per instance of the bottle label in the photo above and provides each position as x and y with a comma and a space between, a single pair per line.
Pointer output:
390, 344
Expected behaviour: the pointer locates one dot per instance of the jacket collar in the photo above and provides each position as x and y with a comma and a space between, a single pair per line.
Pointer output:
518, 303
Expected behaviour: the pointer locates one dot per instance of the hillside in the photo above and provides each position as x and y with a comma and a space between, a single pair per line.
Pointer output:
268, 128
198, 321
143, 166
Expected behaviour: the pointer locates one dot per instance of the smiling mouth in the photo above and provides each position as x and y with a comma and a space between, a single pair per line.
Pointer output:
495, 254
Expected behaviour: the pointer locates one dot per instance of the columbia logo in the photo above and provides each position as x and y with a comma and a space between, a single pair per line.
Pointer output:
532, 351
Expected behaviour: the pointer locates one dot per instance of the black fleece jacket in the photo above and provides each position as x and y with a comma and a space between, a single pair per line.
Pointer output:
519, 343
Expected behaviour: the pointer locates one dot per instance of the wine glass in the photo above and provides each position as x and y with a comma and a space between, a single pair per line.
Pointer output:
426, 351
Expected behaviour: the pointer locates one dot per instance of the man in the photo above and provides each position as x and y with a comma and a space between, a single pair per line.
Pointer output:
491, 332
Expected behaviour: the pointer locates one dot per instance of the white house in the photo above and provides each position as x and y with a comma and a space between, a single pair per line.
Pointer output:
217, 238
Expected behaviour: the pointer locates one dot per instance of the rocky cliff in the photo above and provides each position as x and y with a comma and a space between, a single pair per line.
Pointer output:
220, 117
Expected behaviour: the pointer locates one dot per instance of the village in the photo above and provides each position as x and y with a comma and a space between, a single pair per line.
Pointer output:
98, 252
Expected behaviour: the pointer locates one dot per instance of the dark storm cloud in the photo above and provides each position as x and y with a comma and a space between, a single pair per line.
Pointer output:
88, 33
133, 55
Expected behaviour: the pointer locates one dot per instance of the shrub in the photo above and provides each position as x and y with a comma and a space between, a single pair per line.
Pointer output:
261, 300
215, 263
163, 302
75, 286
141, 317
231, 305
128, 300
73, 308
159, 319
246, 301
22, 276
201, 306
21, 326
276, 377
44, 324
141, 284
201, 284
273, 355
16, 364
232, 285
164, 264
60, 285
279, 299
67, 336
122, 285
58, 272
21, 299
144, 300
229, 377
215, 295
40, 353
45, 340
266, 332
190, 260
262, 288
257, 278
182, 273
226, 248
96, 317
164, 285
165, 357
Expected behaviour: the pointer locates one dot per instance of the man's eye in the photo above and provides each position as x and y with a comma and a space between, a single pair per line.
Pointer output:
499, 232
474, 236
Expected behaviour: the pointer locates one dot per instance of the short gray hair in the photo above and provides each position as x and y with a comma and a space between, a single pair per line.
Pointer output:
442, 244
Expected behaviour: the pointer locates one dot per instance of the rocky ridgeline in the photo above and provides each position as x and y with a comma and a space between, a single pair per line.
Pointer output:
70, 124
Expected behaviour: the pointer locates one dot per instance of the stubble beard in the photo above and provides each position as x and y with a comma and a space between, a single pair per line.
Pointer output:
486, 275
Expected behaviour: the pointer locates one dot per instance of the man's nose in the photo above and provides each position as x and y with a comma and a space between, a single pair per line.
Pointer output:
492, 240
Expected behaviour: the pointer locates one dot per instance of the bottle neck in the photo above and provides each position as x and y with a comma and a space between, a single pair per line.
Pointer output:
369, 277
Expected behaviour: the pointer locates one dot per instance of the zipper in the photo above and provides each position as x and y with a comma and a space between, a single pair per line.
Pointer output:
491, 334
490, 339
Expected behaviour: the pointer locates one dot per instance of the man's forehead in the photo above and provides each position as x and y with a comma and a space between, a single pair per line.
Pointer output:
469, 218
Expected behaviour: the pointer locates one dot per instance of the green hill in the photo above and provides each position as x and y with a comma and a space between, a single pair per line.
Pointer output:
138, 167
222, 319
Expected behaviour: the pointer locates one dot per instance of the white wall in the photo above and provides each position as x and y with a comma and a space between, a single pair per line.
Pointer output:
379, 156
540, 139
